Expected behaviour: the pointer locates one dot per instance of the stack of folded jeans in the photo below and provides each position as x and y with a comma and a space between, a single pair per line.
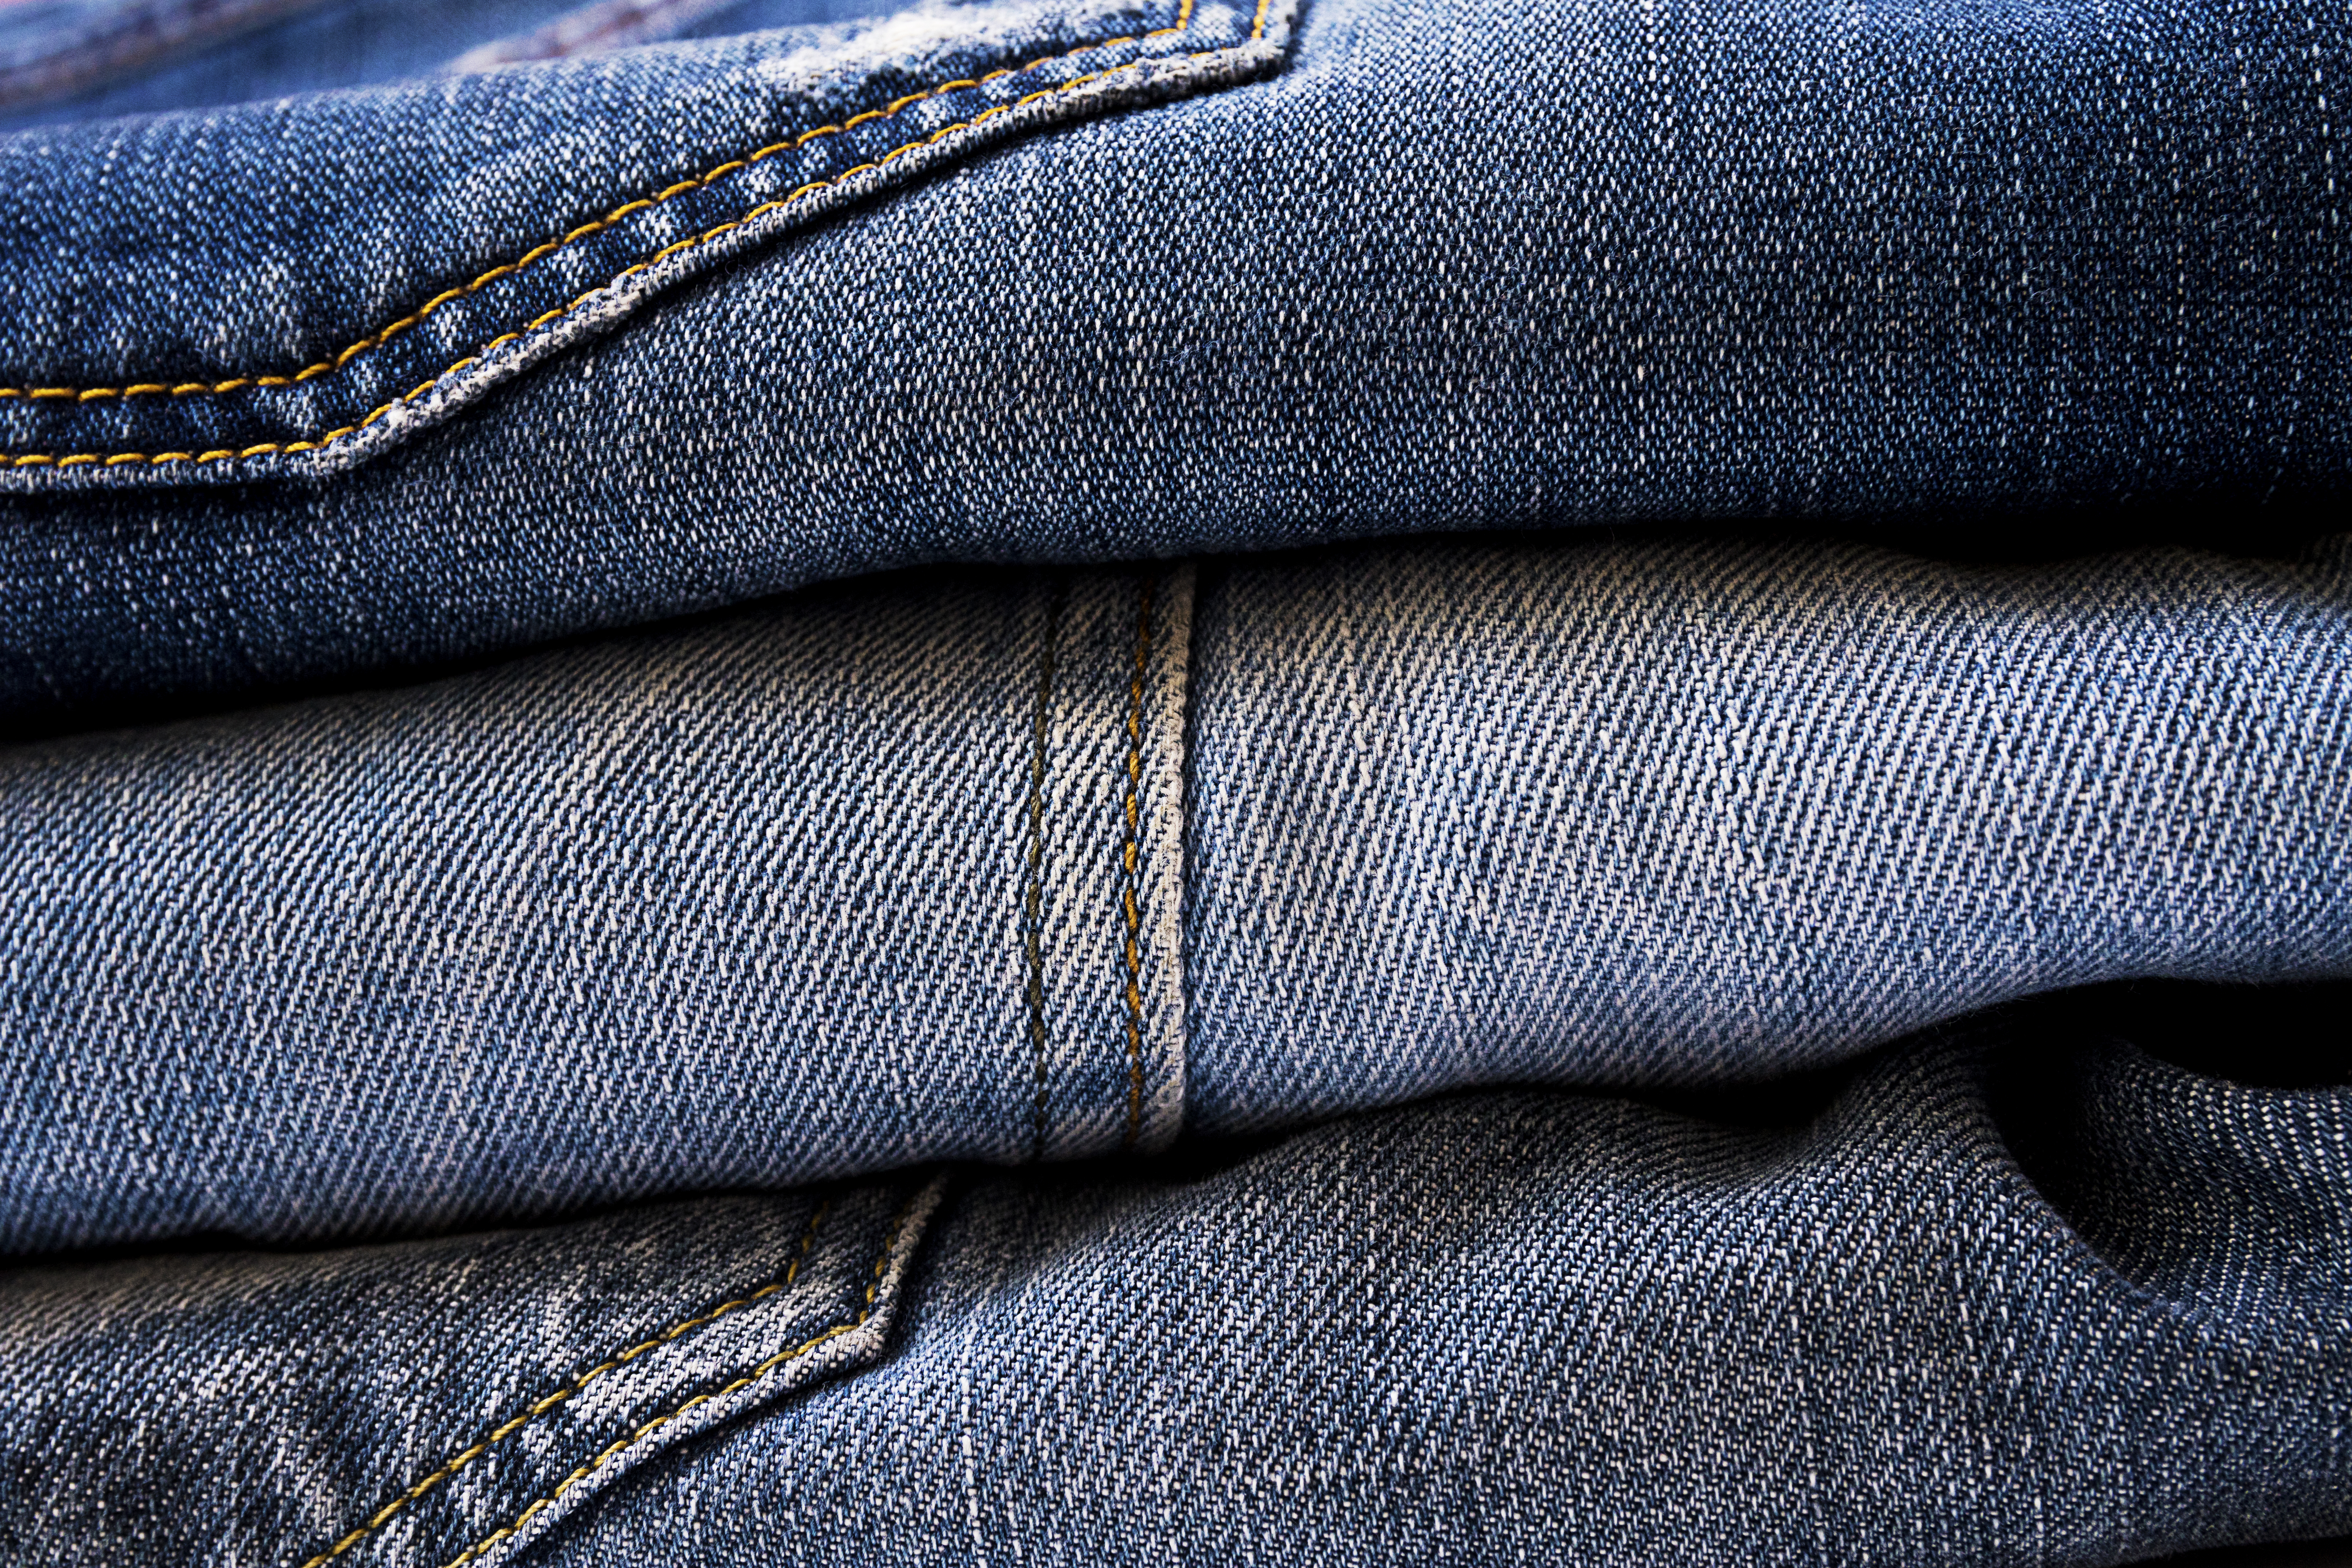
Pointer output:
1291, 782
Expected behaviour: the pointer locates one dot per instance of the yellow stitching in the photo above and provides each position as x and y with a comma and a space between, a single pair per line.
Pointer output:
881, 1266
331, 437
42, 459
1183, 22
540, 1407
1129, 861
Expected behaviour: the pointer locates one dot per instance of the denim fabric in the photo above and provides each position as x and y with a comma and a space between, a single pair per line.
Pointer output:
1412, 264
873, 878
940, 867
1929, 1316
1597, 1044
609, 25
1701, 810
393, 1405
67, 61
57, 48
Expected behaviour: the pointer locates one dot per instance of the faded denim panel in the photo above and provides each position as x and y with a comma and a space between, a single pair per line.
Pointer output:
1529, 1328
1461, 263
851, 881
744, 905
428, 1402
1705, 809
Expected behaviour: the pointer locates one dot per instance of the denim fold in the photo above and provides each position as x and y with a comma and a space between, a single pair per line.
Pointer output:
1012, 865
1364, 268
2010, 1292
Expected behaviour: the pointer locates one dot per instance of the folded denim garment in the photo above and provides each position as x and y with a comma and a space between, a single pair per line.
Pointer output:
1677, 1032
328, 385
65, 61
1002, 866
2014, 1293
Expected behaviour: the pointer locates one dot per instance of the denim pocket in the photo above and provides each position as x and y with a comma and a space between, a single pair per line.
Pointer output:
425, 1403
305, 316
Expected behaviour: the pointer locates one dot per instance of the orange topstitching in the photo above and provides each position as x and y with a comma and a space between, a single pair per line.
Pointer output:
540, 1407
639, 1434
87, 394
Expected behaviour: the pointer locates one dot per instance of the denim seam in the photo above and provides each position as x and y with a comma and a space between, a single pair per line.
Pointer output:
1033, 899
1060, 90
1131, 861
548, 247
640, 1434
541, 1406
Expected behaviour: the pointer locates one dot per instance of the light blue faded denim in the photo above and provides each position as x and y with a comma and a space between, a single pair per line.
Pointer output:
2014, 1294
1004, 864
1227, 277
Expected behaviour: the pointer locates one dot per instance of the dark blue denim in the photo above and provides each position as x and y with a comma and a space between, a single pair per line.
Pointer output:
1409, 265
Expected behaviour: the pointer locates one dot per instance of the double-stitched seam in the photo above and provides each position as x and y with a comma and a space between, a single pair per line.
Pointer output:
323, 367
540, 1407
548, 247
1130, 868
1032, 918
636, 1434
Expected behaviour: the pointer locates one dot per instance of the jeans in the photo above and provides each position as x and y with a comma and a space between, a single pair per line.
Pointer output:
1017, 866
1924, 1313
737, 825
383, 380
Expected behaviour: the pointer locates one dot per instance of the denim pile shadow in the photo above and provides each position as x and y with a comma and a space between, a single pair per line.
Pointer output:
1277, 782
